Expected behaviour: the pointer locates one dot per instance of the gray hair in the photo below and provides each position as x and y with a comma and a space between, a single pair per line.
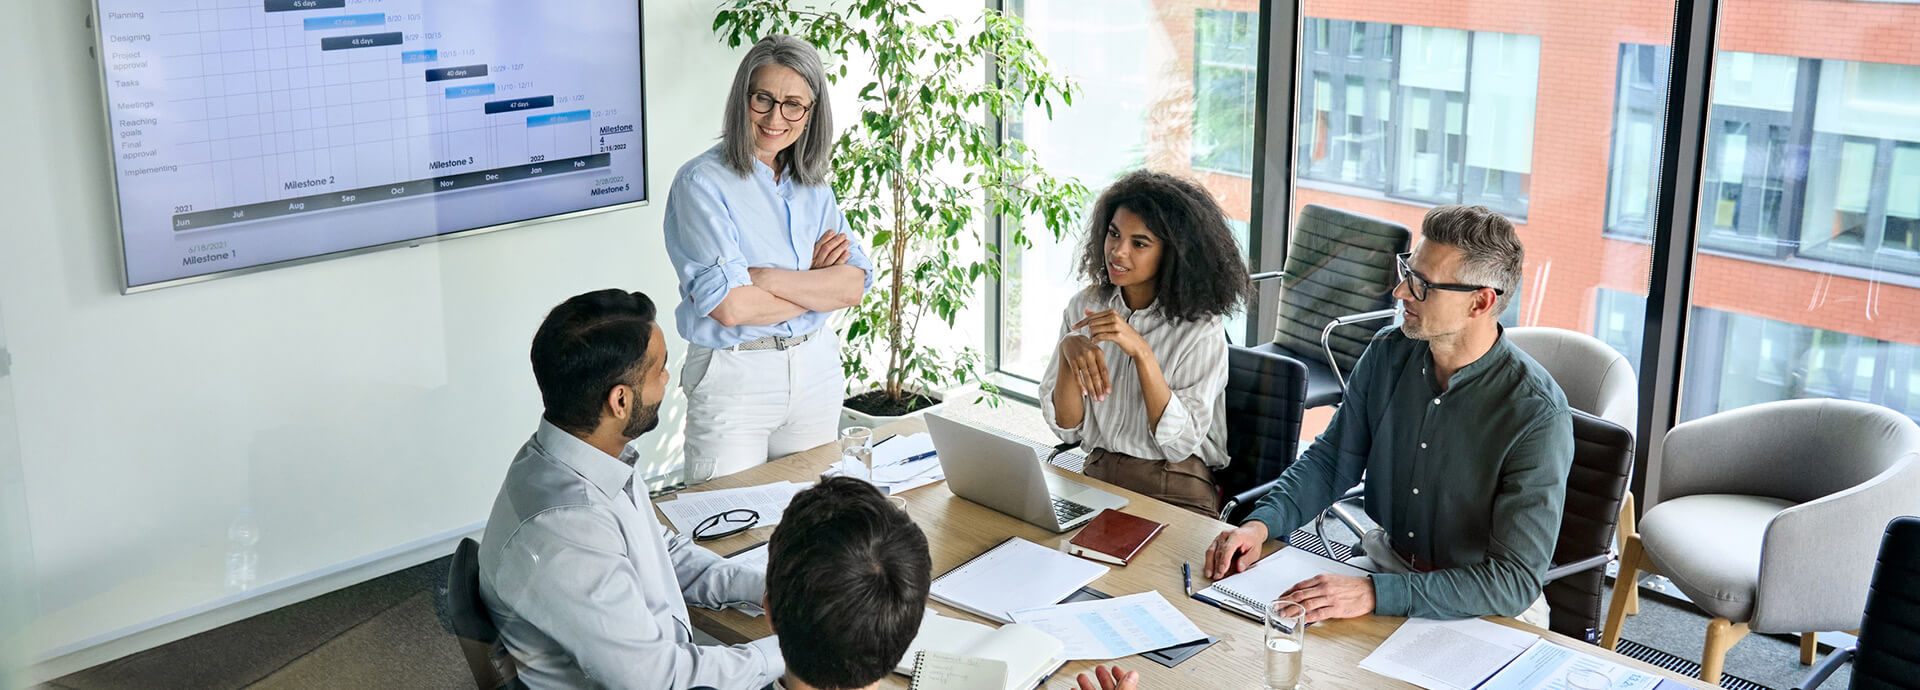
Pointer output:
807, 160
1493, 249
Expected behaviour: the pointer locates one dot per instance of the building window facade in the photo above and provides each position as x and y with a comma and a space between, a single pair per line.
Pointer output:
1424, 114
1805, 157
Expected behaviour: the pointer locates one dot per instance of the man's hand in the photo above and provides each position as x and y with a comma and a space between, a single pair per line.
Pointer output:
1089, 365
1235, 549
832, 249
1110, 678
1326, 597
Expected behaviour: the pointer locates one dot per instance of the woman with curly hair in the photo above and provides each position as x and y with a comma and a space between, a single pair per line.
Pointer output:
1140, 373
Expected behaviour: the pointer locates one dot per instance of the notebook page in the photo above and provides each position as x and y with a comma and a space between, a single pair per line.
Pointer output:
1017, 574
1273, 575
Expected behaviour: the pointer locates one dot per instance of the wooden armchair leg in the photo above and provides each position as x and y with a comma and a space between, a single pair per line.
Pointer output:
1809, 647
1721, 634
1623, 587
1628, 526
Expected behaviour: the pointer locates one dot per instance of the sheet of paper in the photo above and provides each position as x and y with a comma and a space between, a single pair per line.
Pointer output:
943, 671
1447, 655
1545, 666
690, 507
1113, 628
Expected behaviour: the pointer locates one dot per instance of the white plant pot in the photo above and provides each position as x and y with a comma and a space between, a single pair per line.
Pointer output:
852, 417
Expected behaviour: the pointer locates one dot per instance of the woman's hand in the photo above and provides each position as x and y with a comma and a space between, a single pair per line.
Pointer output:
1109, 327
832, 249
1089, 365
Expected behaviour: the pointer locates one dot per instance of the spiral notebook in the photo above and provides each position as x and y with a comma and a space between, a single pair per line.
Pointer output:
942, 671
1248, 593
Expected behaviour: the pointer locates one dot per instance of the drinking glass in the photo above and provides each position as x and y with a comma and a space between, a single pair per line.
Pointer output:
1588, 679
1286, 632
856, 452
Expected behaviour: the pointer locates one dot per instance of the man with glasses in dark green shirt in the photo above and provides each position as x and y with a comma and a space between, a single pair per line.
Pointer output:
1464, 441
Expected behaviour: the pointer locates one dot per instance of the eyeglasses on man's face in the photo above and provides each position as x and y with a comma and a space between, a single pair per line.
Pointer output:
1419, 286
792, 111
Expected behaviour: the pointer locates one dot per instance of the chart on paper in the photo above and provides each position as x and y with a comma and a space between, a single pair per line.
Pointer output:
236, 113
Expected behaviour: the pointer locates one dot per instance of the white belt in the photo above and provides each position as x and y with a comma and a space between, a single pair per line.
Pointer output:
772, 342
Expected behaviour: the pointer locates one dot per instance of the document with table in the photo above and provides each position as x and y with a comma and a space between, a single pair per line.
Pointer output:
1112, 628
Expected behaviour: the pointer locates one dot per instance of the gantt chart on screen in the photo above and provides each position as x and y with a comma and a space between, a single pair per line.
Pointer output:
248, 132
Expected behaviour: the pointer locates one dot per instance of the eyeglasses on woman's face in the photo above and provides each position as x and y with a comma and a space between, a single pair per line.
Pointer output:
790, 110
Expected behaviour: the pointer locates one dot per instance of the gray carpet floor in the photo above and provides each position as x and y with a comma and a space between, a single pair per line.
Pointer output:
385, 633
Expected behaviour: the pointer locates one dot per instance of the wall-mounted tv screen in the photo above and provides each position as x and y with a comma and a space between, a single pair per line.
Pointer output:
249, 134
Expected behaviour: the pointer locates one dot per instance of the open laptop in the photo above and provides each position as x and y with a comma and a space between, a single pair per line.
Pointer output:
1006, 475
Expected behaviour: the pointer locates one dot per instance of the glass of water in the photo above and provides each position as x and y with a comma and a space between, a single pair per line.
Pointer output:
1286, 632
856, 452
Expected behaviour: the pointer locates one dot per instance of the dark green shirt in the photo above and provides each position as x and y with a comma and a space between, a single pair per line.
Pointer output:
1471, 480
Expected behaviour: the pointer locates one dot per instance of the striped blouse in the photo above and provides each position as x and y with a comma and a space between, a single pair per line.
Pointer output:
1193, 359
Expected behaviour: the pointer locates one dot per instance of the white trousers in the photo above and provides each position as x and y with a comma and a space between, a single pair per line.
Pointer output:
747, 407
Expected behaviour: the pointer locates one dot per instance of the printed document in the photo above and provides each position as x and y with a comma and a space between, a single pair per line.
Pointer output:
1447, 655
1113, 628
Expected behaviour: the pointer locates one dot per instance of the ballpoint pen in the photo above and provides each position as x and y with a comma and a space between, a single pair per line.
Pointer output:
1186, 575
915, 458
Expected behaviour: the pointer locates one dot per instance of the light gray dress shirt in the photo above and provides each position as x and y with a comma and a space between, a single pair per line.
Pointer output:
1193, 359
587, 587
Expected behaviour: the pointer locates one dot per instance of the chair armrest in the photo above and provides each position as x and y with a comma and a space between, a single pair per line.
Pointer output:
1244, 499
1326, 335
1826, 668
1267, 275
1817, 558
1582, 565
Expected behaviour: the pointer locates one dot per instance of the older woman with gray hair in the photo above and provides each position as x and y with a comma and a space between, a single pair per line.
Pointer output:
764, 257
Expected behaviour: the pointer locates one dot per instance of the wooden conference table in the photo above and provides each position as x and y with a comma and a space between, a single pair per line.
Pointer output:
958, 530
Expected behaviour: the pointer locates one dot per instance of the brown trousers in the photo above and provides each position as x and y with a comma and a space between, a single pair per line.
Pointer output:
1187, 484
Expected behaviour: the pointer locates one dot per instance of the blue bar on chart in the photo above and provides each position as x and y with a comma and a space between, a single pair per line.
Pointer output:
507, 106
361, 41
412, 56
297, 5
559, 118
345, 21
470, 90
461, 72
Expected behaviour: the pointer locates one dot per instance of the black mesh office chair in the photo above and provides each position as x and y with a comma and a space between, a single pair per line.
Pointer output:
1266, 392
467, 617
1340, 271
1887, 653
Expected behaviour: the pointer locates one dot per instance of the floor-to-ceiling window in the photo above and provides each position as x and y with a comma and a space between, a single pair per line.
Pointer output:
1165, 84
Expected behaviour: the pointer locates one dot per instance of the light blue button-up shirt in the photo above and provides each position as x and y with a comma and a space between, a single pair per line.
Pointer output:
719, 224
588, 590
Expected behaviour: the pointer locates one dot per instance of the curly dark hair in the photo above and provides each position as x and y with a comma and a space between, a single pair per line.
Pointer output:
1201, 273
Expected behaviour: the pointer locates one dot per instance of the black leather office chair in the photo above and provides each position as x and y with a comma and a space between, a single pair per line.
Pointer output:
1340, 270
1887, 654
1597, 483
467, 616
1266, 393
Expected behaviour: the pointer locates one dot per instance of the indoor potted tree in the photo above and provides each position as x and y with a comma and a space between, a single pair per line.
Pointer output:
920, 170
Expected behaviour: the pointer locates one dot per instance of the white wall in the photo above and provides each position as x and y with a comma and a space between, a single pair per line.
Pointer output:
361, 409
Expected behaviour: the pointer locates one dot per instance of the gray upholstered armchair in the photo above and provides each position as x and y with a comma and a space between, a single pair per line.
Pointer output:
1597, 379
1768, 517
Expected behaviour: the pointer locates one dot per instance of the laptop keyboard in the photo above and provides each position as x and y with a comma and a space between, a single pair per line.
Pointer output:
1066, 511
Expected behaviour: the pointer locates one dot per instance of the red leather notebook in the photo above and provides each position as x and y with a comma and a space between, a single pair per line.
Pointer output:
1114, 537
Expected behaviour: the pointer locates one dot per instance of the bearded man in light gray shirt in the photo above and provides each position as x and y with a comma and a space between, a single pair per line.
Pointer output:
587, 588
